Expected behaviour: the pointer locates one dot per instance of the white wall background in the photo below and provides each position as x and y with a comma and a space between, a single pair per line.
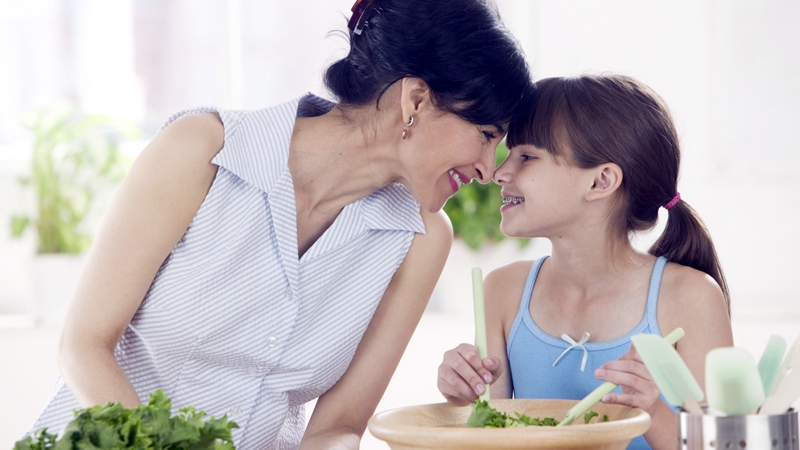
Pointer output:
729, 69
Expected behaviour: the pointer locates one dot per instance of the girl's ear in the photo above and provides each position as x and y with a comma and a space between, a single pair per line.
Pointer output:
607, 179
415, 95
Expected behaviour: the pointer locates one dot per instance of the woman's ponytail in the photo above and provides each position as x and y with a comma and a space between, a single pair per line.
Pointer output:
686, 241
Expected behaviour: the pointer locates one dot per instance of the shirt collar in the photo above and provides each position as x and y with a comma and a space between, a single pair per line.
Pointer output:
257, 150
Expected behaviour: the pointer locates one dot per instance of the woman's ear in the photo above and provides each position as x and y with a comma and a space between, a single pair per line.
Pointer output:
415, 96
607, 179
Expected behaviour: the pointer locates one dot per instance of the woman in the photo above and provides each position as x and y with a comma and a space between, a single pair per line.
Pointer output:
253, 261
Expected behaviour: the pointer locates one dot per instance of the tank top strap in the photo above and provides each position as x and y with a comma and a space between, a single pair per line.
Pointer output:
525, 300
652, 294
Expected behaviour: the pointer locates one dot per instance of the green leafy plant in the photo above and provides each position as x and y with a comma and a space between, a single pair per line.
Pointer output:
484, 416
475, 210
75, 157
147, 427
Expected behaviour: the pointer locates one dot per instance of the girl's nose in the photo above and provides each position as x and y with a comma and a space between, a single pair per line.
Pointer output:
501, 174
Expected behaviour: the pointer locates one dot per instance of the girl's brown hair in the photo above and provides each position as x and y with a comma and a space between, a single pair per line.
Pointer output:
592, 120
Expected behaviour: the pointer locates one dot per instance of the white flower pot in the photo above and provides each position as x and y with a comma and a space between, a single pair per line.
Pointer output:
54, 278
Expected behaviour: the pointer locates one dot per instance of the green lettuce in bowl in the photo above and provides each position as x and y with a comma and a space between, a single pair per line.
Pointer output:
484, 416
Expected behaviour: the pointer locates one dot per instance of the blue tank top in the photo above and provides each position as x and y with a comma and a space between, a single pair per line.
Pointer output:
543, 366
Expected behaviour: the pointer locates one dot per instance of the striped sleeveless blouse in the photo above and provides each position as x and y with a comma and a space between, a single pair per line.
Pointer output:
234, 323
544, 366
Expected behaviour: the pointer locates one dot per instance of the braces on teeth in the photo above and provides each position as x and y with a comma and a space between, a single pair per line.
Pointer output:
514, 200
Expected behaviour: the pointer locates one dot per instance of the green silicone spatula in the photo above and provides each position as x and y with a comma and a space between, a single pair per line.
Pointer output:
669, 371
597, 394
733, 385
480, 319
786, 388
770, 361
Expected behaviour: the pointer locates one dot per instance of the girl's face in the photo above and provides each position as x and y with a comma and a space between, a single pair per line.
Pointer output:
543, 195
443, 152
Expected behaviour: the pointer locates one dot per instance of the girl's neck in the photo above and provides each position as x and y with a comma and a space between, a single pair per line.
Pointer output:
591, 268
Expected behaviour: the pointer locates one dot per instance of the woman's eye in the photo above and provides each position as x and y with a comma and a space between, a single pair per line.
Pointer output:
488, 135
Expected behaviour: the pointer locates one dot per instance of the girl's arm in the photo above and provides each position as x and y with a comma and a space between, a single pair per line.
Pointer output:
462, 374
689, 299
150, 212
341, 414
502, 289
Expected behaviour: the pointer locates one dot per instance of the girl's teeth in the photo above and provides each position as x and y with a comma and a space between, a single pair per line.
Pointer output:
514, 200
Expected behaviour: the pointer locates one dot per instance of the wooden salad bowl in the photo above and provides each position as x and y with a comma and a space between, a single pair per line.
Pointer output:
441, 426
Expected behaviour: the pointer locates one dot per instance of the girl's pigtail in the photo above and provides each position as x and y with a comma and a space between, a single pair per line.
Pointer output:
686, 241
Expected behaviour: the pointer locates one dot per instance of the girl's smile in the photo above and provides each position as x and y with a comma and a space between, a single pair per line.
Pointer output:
554, 189
510, 201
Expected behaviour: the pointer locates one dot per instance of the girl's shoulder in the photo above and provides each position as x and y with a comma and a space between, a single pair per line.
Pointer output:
684, 281
515, 271
689, 295
506, 283
503, 288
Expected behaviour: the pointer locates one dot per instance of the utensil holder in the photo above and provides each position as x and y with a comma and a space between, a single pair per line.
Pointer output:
750, 432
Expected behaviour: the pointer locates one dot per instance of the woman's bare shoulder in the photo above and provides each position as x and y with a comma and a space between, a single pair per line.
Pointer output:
196, 135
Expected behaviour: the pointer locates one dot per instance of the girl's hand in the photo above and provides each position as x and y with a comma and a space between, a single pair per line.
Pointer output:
638, 388
463, 376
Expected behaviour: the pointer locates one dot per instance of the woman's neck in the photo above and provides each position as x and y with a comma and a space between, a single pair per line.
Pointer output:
334, 162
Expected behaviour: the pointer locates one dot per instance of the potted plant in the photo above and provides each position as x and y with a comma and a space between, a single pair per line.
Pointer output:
475, 214
75, 159
475, 210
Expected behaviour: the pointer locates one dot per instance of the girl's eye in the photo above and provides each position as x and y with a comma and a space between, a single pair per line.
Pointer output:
527, 157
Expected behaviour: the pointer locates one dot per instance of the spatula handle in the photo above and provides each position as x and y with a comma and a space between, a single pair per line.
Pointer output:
480, 320
692, 407
675, 335
605, 388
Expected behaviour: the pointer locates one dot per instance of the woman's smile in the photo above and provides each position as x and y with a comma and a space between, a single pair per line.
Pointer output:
457, 179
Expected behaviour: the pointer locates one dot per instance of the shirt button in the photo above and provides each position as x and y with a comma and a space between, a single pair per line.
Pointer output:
252, 370
235, 410
288, 293
271, 341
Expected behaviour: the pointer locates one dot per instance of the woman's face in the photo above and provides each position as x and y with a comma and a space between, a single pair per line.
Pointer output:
442, 152
542, 194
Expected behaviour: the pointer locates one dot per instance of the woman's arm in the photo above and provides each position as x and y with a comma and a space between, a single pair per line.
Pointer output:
150, 213
341, 414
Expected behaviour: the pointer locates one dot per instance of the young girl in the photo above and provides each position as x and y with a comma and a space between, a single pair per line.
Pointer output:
593, 162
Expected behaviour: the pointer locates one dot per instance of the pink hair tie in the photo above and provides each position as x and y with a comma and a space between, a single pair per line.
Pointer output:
674, 201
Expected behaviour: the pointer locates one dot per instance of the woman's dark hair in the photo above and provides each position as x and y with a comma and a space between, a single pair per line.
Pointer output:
473, 66
593, 120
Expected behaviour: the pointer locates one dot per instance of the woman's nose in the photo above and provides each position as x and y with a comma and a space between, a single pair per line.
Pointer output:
485, 167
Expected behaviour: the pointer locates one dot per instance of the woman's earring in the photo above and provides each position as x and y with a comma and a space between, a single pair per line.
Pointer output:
407, 126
